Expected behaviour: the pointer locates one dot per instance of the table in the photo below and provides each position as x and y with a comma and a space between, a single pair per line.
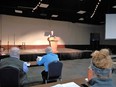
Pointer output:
33, 63
78, 81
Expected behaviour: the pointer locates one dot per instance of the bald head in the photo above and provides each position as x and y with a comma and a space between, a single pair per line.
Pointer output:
14, 52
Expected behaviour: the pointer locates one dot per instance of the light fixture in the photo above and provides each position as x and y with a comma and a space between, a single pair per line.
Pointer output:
114, 6
40, 4
95, 8
81, 12
44, 5
43, 14
54, 15
19, 11
81, 19
102, 22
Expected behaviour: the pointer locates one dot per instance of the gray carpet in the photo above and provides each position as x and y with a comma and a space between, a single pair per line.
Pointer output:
72, 69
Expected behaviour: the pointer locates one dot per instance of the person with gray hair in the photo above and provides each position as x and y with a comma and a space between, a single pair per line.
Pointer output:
14, 52
46, 59
14, 60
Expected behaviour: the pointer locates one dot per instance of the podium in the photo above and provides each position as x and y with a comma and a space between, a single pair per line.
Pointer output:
53, 43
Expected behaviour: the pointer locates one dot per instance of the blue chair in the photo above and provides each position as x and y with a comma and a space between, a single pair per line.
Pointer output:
9, 77
54, 71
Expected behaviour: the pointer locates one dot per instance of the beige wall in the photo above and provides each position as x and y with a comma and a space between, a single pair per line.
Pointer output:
31, 31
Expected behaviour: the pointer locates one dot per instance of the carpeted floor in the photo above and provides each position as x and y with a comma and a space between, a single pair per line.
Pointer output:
72, 69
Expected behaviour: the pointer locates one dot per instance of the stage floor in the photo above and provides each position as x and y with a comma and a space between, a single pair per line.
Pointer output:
60, 50
63, 53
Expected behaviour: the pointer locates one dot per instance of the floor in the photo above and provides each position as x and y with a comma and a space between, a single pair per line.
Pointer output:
71, 69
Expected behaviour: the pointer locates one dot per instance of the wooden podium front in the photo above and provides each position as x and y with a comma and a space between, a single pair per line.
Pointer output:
53, 43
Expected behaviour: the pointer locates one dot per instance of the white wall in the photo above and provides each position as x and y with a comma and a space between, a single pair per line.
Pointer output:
31, 31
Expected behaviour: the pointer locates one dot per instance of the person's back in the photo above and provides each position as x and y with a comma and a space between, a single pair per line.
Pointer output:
98, 82
46, 59
11, 62
49, 57
14, 60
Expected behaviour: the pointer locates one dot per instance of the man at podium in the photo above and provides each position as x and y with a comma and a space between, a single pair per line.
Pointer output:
51, 34
53, 41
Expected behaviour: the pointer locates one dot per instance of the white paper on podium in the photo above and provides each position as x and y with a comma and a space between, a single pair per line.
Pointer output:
69, 84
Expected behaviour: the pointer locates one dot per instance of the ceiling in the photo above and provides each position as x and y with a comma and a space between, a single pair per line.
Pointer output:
61, 10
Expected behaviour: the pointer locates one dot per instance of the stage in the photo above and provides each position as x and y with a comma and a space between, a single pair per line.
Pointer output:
63, 53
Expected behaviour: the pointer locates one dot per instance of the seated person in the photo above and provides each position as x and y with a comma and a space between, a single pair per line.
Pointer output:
14, 60
46, 59
100, 69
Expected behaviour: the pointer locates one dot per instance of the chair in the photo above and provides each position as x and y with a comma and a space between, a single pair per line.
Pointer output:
54, 71
9, 77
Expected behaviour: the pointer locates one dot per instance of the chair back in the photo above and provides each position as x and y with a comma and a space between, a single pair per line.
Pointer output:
55, 70
9, 77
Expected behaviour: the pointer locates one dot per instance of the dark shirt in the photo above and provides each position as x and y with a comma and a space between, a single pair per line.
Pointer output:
15, 62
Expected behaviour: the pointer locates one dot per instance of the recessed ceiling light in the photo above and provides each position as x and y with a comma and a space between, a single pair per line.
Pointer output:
81, 12
19, 11
43, 14
102, 22
81, 19
43, 5
114, 6
54, 16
